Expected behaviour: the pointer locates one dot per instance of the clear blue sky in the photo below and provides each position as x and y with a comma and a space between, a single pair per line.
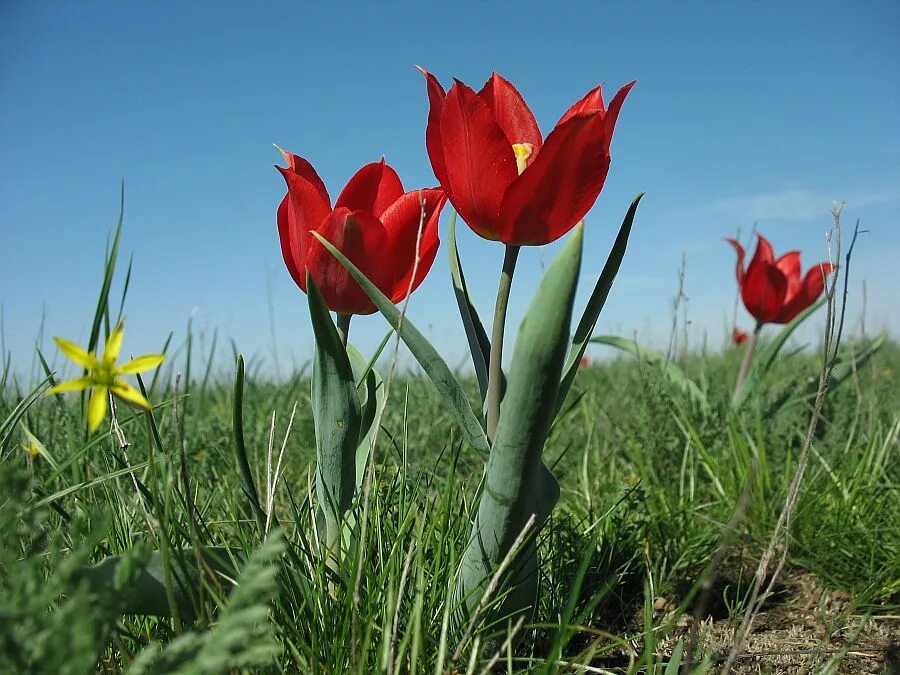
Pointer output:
743, 112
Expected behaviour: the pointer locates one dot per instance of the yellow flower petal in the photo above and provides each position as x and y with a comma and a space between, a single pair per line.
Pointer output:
76, 353
78, 384
31, 449
114, 343
140, 364
96, 408
128, 393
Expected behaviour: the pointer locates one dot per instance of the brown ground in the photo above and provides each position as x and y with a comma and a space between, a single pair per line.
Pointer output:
806, 630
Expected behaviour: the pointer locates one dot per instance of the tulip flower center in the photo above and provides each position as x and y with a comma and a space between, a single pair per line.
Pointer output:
523, 152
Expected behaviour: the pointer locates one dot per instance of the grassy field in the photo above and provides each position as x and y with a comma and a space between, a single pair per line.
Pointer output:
666, 509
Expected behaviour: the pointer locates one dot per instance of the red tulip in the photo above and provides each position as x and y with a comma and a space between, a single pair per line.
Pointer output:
374, 223
773, 290
739, 336
504, 179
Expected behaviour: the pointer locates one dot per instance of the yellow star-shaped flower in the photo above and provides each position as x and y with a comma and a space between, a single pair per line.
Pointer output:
104, 375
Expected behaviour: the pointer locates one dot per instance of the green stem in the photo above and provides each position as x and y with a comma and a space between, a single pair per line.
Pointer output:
343, 326
495, 366
748, 358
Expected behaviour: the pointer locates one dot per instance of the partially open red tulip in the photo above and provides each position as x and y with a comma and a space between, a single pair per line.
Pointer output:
374, 223
774, 291
505, 180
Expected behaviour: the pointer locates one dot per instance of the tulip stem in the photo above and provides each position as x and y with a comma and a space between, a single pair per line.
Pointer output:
495, 365
748, 358
343, 326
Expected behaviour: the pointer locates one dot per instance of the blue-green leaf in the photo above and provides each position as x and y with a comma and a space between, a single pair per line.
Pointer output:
595, 303
518, 486
670, 370
371, 394
337, 417
765, 359
434, 366
479, 343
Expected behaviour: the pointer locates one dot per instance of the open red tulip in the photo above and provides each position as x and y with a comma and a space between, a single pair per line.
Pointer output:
773, 290
505, 180
374, 223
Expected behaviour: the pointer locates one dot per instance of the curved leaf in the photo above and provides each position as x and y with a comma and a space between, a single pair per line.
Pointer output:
595, 303
479, 343
764, 360
518, 486
371, 392
433, 365
147, 594
336, 415
240, 450
672, 372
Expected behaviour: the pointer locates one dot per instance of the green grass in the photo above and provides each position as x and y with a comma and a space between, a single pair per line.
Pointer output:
648, 482
649, 479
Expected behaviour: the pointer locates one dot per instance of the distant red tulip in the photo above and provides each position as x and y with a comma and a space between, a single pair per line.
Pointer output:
773, 290
503, 178
374, 223
585, 362
739, 336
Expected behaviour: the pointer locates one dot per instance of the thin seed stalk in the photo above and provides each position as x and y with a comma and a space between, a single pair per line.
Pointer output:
495, 367
748, 358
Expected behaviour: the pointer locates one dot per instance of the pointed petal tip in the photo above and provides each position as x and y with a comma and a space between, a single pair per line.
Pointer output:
284, 153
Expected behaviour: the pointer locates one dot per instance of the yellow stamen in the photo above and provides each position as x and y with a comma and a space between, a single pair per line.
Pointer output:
523, 152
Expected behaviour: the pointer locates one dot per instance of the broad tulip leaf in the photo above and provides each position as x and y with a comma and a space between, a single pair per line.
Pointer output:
479, 343
595, 303
336, 415
764, 360
240, 449
433, 365
147, 594
518, 486
672, 372
371, 393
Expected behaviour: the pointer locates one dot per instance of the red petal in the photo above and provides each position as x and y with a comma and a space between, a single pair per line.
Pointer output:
739, 266
590, 102
789, 264
479, 160
593, 102
302, 209
305, 170
511, 112
763, 253
763, 291
808, 292
612, 113
361, 237
433, 143
764, 286
562, 184
373, 188
401, 222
